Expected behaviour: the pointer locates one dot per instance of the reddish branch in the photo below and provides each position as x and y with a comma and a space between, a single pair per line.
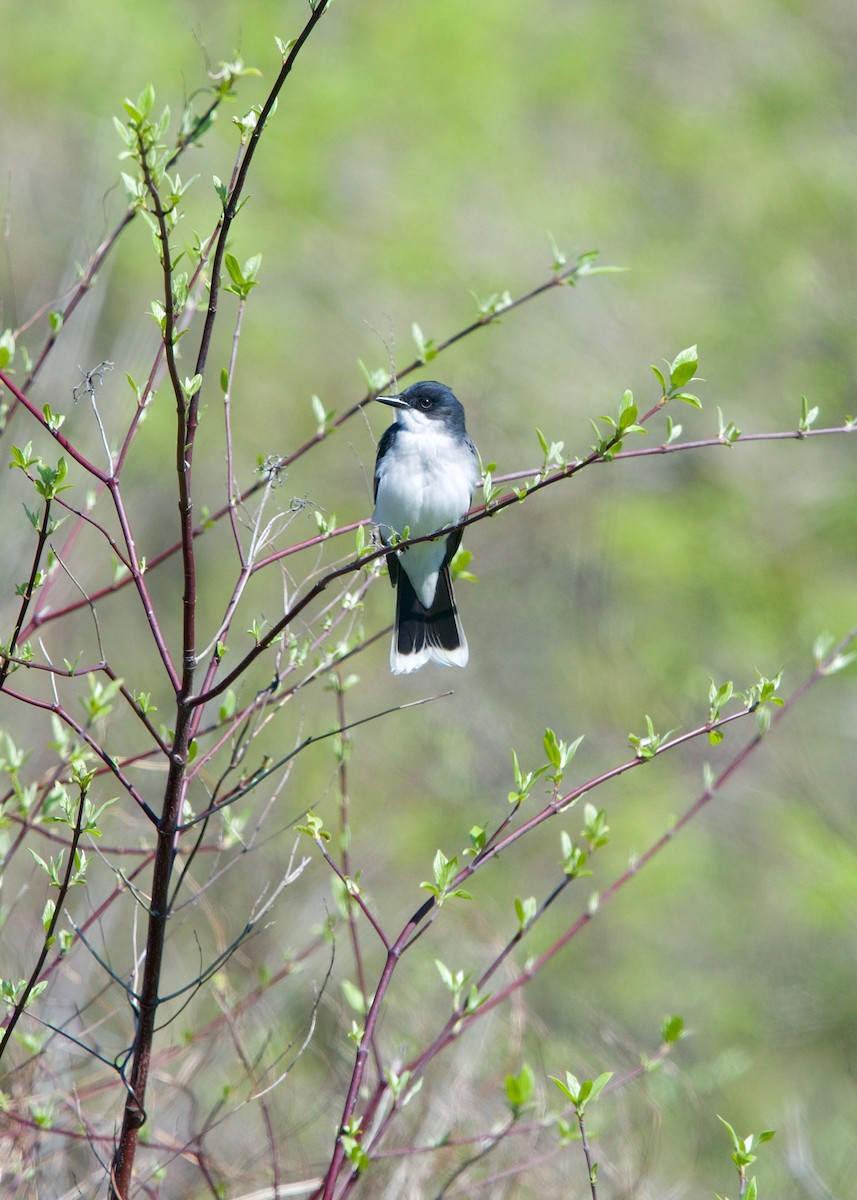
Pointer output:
461, 1019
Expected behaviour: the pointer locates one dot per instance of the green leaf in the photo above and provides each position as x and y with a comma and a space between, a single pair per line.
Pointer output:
426, 347
727, 432
571, 1087
559, 258
807, 415
659, 375
586, 266
146, 99
477, 837
672, 1029
599, 1084
234, 269
520, 1089
221, 189
552, 747
525, 910
673, 431
627, 412
573, 857
323, 416
595, 827
460, 562
445, 974
580, 1094
313, 827
445, 870
7, 347
683, 367
355, 997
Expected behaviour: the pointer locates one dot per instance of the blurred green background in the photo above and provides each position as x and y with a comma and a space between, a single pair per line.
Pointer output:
422, 151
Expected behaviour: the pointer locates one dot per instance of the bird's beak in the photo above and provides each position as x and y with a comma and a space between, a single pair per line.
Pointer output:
393, 401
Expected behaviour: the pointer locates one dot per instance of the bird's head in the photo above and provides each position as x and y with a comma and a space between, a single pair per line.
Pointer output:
425, 404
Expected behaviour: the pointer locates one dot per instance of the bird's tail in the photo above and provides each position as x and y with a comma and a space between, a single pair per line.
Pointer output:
422, 634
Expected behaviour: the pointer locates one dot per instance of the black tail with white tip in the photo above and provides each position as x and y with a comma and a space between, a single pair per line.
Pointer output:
422, 634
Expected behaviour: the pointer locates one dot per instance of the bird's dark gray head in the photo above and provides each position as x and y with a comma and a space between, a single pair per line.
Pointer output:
427, 401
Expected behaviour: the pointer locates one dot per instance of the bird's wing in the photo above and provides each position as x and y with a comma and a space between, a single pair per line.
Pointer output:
386, 442
454, 539
387, 439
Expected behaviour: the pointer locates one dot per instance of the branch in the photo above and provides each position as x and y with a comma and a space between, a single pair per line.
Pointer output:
561, 278
7, 654
87, 278
461, 1019
84, 735
233, 203
50, 930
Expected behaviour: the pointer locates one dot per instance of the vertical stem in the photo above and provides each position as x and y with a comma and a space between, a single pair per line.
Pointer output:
134, 1116
21, 1003
590, 1166
345, 834
187, 716
44, 530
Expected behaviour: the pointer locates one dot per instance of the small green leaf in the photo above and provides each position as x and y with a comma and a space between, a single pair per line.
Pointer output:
426, 347
672, 1029
552, 747
7, 347
520, 1089
355, 997
559, 258
727, 432
683, 367
525, 910
221, 189
313, 827
234, 269
673, 431
478, 836
807, 415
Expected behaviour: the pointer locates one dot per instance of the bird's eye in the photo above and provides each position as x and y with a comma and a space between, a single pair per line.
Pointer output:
425, 402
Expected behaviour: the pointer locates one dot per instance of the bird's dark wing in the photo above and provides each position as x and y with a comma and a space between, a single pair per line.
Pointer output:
454, 539
452, 544
388, 437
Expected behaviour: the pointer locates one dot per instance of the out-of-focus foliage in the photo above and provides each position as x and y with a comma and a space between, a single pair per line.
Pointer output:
422, 151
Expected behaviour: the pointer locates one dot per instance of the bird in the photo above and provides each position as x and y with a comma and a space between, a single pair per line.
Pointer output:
425, 474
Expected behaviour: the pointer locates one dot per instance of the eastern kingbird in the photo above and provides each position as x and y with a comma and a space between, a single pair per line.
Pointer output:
425, 474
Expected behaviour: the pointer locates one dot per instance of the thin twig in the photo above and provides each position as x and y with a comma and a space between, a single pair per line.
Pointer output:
21, 1002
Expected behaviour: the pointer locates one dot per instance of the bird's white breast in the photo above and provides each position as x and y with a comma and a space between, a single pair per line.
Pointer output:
425, 484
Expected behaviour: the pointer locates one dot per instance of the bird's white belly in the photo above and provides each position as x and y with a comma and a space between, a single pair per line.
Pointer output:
427, 486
